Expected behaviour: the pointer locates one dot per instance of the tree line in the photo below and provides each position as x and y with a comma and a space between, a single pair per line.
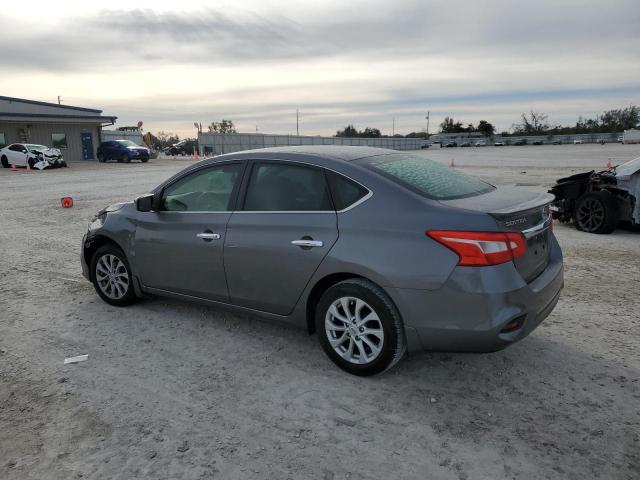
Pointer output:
531, 123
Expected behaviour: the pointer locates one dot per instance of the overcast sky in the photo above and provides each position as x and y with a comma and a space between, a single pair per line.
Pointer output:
361, 62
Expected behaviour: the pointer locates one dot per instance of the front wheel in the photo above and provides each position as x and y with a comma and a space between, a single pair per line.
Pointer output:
101, 158
111, 276
144, 160
5, 162
359, 328
597, 212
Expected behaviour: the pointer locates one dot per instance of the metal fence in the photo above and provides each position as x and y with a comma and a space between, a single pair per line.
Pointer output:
218, 143
110, 135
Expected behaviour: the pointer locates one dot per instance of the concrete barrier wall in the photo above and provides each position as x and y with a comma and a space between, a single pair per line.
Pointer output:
217, 143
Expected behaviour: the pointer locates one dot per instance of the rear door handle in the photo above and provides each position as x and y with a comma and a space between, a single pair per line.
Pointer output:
208, 236
307, 243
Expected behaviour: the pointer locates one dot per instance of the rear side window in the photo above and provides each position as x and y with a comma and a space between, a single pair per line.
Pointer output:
431, 179
286, 187
344, 192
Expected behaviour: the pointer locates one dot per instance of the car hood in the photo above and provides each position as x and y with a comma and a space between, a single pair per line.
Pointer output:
502, 201
624, 171
48, 153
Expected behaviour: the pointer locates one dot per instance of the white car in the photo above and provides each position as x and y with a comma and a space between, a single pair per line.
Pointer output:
36, 156
577, 141
481, 143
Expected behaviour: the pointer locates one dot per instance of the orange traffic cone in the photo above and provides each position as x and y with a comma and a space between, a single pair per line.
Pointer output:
609, 166
29, 168
13, 168
196, 155
452, 164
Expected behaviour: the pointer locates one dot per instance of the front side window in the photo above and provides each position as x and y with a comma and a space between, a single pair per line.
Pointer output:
127, 143
16, 147
431, 179
59, 140
3, 140
283, 187
208, 190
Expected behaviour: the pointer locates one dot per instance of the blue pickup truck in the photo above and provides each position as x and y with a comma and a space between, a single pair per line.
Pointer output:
123, 151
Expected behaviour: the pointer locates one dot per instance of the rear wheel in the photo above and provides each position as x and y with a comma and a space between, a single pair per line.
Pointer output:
359, 328
144, 160
126, 159
597, 212
101, 158
111, 276
4, 161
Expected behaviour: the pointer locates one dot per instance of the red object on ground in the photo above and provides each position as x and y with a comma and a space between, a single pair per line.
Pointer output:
452, 164
609, 164
13, 168
67, 202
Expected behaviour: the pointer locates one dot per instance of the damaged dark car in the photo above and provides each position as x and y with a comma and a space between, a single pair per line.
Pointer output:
598, 201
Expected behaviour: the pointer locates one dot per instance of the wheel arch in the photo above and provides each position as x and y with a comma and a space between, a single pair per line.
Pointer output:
91, 246
326, 282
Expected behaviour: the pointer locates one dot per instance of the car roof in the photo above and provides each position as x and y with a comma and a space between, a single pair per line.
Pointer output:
335, 152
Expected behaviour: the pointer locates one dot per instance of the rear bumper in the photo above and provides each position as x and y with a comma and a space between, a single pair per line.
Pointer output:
469, 311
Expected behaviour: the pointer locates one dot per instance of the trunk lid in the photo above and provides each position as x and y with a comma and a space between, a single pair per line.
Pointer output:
519, 210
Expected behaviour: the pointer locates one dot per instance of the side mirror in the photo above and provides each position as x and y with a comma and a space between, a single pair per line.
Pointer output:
144, 203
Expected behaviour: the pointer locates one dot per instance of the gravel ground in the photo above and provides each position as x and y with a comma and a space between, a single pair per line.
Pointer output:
176, 390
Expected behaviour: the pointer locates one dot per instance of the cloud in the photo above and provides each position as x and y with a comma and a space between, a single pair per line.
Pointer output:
361, 61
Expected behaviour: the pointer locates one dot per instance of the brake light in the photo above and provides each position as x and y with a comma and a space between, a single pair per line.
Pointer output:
482, 248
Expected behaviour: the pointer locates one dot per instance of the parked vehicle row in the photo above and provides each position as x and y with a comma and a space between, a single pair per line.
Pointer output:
377, 251
35, 156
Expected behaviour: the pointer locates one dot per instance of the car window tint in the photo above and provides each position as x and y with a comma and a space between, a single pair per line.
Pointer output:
344, 192
16, 148
429, 178
204, 191
286, 187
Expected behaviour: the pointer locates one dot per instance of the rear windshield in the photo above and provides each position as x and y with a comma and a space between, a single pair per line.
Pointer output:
426, 177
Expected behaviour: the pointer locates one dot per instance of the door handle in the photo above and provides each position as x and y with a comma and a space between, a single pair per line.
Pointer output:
307, 243
208, 236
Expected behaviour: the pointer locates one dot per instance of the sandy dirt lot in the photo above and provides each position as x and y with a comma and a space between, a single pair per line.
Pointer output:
181, 391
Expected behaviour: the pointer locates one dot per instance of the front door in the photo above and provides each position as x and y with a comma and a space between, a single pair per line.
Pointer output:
179, 248
277, 240
87, 146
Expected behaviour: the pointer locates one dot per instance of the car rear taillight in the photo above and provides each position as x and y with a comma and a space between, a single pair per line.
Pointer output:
482, 248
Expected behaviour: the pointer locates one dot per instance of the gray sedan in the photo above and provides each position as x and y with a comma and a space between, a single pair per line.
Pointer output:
377, 251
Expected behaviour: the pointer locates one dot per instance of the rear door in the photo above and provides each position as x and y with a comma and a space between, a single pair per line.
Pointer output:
276, 241
179, 248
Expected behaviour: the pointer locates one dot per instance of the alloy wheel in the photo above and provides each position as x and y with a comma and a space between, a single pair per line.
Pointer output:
354, 330
590, 215
112, 276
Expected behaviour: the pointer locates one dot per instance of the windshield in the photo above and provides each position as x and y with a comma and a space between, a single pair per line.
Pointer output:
36, 148
127, 143
426, 177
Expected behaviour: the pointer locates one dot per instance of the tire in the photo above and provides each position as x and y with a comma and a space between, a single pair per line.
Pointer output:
31, 162
125, 159
597, 212
111, 276
362, 299
144, 160
5, 162
101, 158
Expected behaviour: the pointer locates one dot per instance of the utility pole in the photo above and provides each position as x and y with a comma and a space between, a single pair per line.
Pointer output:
297, 122
393, 128
427, 117
59, 100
